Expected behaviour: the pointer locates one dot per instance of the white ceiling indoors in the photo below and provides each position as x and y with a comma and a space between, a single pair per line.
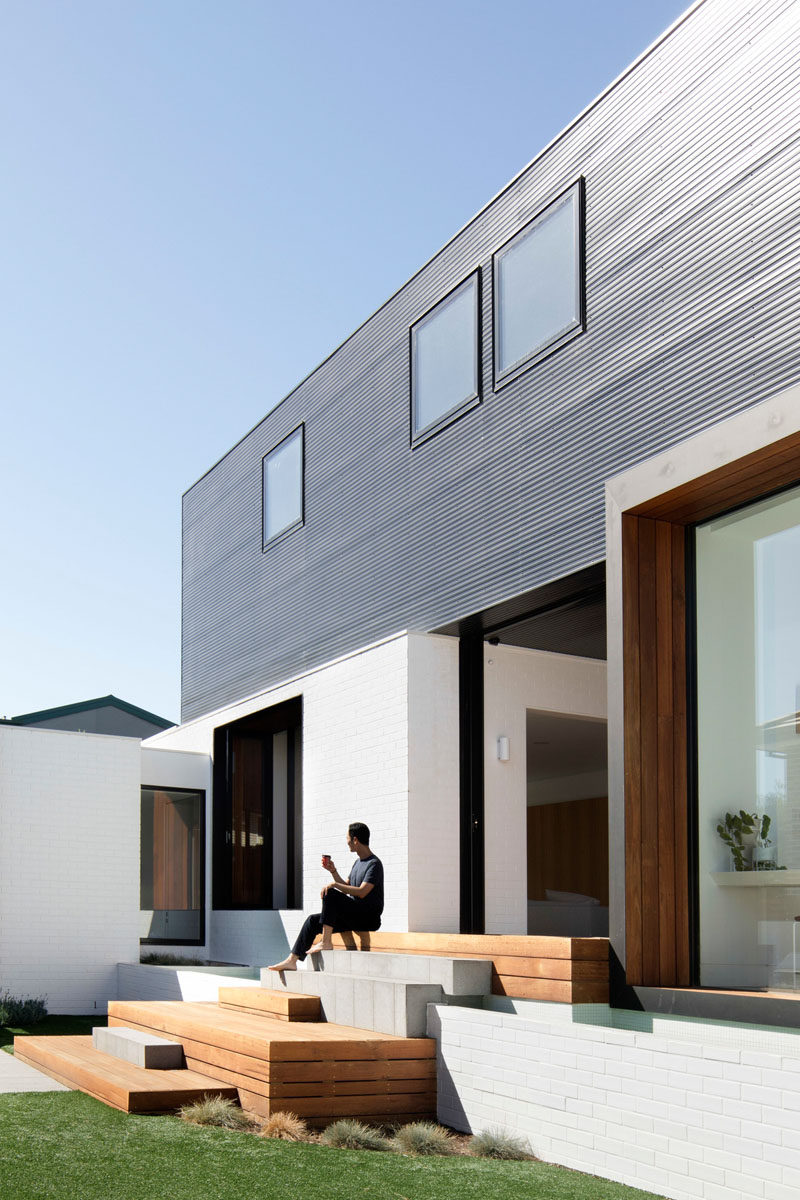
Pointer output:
566, 757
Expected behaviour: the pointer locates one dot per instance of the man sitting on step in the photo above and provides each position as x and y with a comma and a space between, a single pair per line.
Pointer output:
356, 904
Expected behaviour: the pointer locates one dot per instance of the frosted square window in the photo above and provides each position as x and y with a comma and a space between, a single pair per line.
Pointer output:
282, 487
444, 361
538, 286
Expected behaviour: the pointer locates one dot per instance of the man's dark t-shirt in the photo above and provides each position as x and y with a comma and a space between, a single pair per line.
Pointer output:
369, 870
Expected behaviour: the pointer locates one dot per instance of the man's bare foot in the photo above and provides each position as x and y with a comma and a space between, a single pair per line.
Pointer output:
288, 964
321, 946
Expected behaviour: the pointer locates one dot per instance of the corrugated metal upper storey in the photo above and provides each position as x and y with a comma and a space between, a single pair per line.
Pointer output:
691, 166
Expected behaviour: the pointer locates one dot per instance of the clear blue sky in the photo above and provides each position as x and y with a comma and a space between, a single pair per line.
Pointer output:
199, 201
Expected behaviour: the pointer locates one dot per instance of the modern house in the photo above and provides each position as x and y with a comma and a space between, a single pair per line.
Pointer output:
511, 577
397, 586
103, 714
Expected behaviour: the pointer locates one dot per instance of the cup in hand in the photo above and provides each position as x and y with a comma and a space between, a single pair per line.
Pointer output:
326, 861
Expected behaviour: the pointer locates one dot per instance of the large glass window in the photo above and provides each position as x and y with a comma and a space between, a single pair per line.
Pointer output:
282, 485
444, 361
172, 856
538, 287
748, 725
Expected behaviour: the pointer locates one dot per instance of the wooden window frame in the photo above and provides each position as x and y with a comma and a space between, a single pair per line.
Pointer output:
651, 701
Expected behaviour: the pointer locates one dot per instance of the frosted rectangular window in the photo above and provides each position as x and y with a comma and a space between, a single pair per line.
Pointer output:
444, 360
282, 479
748, 745
537, 279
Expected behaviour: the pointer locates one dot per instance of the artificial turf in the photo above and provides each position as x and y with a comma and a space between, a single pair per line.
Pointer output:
66, 1146
51, 1026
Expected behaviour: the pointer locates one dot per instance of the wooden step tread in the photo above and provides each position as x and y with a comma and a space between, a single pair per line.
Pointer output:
262, 1036
74, 1061
286, 1006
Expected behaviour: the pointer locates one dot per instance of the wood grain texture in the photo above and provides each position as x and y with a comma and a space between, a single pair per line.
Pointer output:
568, 848
285, 1006
540, 957
74, 1062
656, 802
319, 1071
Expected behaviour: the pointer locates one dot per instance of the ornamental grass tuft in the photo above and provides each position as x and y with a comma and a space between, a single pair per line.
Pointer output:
348, 1134
286, 1126
496, 1143
216, 1110
423, 1137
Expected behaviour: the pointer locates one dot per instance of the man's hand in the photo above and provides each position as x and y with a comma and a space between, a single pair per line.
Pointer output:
328, 887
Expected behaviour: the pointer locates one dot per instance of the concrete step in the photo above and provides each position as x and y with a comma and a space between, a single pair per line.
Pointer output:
387, 993
455, 976
383, 1005
141, 1049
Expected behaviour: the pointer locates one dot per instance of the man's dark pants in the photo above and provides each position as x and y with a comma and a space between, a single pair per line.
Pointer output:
340, 911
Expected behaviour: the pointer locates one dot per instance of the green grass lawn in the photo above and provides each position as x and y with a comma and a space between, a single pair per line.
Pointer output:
61, 1026
66, 1146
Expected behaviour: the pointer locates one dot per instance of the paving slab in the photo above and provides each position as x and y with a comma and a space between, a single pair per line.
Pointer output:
16, 1076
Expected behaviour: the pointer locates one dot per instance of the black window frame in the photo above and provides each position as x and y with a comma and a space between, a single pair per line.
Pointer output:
418, 436
503, 376
266, 543
201, 939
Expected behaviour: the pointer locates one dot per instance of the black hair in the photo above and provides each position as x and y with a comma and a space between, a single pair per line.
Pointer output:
360, 831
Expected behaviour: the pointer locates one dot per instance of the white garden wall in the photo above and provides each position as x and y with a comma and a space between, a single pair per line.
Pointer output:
679, 1107
69, 864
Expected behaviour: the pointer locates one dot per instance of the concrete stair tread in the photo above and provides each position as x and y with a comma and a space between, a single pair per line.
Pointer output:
143, 1050
386, 1001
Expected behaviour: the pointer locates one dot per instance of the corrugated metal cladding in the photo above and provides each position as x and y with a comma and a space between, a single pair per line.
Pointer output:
692, 170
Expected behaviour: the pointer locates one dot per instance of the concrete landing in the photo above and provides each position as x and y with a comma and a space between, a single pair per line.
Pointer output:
386, 993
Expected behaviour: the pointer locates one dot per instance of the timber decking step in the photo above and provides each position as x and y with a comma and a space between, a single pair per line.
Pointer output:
284, 1006
568, 970
74, 1062
319, 1071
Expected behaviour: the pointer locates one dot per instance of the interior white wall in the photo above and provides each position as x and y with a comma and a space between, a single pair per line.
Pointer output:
516, 679
69, 864
433, 785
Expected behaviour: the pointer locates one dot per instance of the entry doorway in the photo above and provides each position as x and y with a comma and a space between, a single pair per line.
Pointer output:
567, 824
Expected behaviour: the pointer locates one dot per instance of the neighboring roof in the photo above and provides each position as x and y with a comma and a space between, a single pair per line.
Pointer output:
66, 710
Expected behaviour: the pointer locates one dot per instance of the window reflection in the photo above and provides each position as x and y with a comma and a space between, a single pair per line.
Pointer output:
748, 674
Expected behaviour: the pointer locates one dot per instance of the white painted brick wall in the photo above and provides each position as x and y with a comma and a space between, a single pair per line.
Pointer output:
687, 1111
69, 864
356, 765
433, 784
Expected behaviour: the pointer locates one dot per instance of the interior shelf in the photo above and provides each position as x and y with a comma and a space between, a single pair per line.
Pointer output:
757, 879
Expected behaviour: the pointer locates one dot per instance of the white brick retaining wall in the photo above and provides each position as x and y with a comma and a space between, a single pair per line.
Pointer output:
679, 1107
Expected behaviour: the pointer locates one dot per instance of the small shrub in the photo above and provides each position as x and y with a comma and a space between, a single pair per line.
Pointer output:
423, 1137
169, 960
18, 1012
216, 1110
495, 1143
287, 1126
348, 1134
